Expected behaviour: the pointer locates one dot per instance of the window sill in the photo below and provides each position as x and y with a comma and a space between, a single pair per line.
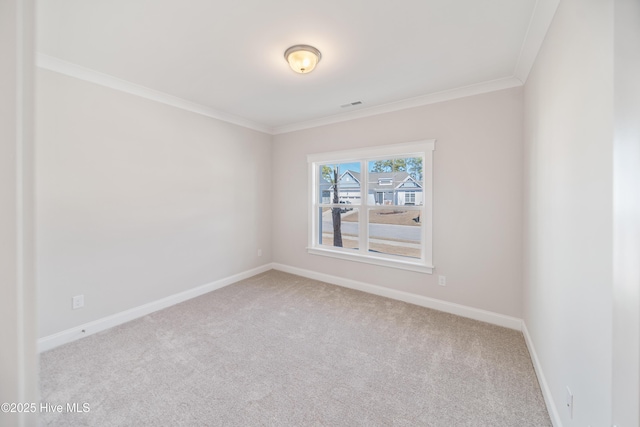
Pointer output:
372, 259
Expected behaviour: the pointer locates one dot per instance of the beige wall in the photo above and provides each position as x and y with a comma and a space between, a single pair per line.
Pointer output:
477, 198
18, 360
129, 209
626, 215
139, 200
568, 209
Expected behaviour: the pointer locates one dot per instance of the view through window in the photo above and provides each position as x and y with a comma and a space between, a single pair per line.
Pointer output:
374, 205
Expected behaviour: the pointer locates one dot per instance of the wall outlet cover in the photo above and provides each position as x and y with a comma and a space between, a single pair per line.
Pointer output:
78, 301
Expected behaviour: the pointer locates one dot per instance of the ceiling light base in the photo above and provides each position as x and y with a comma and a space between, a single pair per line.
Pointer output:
302, 58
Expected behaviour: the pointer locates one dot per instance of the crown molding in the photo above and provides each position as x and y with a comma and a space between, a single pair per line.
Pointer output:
67, 68
433, 98
543, 13
73, 70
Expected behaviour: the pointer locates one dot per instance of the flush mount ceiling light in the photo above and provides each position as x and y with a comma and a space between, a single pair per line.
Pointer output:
302, 58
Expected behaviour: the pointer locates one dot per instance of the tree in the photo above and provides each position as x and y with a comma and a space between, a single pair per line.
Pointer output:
381, 166
331, 175
414, 167
390, 165
411, 165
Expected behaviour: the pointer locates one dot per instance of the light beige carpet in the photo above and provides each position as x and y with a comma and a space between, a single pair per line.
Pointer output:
282, 350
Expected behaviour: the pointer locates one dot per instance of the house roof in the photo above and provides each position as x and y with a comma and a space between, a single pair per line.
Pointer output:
398, 179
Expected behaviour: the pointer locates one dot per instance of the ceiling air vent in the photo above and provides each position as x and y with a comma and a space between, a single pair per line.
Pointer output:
351, 104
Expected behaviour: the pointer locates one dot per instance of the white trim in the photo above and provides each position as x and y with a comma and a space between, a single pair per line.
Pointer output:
541, 19
447, 307
419, 101
20, 147
73, 70
525, 62
423, 149
69, 69
73, 334
372, 259
363, 212
403, 148
26, 363
544, 387
81, 331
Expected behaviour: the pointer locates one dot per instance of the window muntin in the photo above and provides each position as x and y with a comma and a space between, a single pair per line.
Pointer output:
382, 205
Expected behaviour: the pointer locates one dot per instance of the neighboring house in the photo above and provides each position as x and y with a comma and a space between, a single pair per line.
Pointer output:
385, 188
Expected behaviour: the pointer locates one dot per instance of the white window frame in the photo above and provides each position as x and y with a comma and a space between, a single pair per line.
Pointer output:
411, 195
422, 149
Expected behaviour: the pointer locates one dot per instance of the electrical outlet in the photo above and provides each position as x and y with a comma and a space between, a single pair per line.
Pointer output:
442, 280
259, 252
78, 301
570, 403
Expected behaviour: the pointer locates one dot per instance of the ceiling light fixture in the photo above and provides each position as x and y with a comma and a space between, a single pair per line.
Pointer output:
302, 58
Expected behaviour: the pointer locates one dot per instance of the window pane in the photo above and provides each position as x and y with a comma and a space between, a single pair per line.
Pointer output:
395, 232
347, 176
395, 182
347, 229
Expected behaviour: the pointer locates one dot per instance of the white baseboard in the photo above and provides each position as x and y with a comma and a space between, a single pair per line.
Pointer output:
72, 334
81, 331
546, 392
447, 307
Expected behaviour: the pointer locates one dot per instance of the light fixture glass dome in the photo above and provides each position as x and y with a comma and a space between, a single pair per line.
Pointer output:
302, 58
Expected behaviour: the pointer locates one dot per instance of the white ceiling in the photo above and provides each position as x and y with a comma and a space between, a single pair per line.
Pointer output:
225, 59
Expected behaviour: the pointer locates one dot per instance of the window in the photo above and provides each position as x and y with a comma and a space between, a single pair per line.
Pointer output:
374, 205
410, 197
